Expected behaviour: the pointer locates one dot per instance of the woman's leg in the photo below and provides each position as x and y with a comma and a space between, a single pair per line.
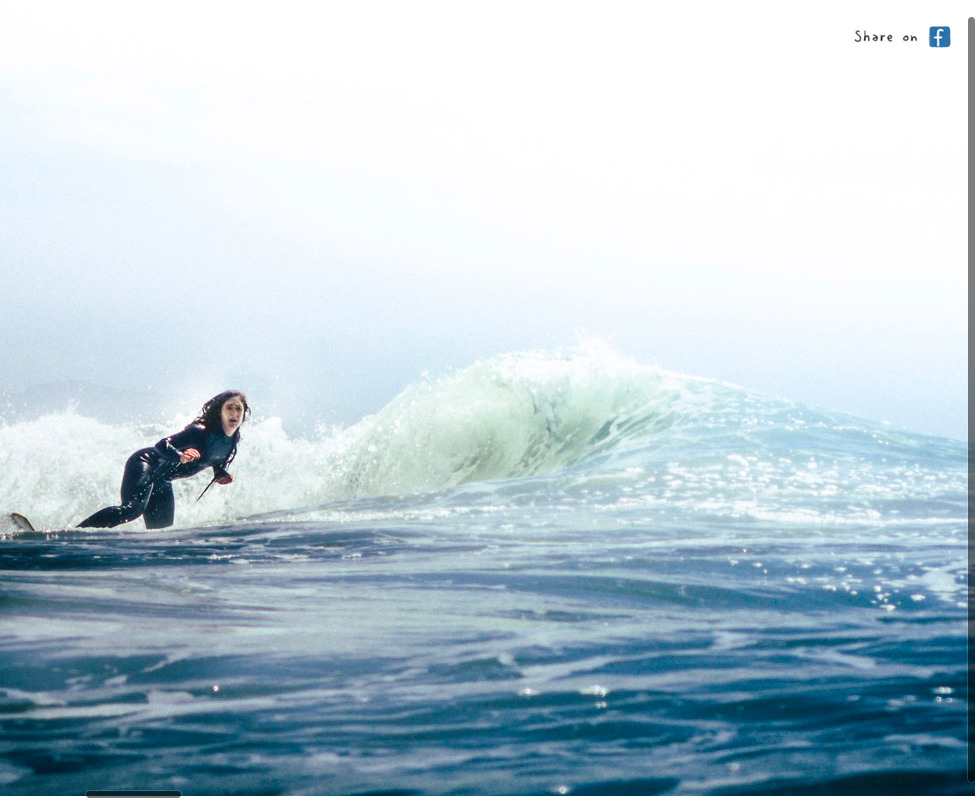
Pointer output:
137, 490
161, 508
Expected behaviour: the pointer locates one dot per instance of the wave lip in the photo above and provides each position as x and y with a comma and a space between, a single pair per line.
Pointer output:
509, 416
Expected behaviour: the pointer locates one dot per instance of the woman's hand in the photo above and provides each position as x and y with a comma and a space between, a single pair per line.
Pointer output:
224, 479
189, 454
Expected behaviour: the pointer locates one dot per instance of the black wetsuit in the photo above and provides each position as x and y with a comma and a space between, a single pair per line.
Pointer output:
147, 488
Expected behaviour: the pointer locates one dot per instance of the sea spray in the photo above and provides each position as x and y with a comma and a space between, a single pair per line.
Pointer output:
511, 416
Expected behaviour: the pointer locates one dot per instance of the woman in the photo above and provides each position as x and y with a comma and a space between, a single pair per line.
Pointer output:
209, 441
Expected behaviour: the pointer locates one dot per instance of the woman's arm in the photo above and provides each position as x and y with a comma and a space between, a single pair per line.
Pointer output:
183, 446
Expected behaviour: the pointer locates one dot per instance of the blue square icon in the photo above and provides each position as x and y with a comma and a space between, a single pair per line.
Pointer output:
940, 37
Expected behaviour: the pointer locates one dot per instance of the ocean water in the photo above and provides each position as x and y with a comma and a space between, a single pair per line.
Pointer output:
542, 574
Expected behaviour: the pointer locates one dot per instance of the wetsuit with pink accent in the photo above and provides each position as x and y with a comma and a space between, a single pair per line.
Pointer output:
147, 488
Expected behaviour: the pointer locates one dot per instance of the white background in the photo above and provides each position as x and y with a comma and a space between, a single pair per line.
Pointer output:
322, 201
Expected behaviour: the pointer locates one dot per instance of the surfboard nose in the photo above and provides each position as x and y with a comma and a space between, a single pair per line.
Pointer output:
20, 521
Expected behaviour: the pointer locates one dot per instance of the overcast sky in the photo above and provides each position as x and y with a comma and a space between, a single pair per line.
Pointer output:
322, 201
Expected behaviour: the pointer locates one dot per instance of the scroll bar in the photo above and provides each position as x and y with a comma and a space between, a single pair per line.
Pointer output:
971, 457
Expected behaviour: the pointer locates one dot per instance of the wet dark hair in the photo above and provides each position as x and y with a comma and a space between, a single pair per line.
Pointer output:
209, 416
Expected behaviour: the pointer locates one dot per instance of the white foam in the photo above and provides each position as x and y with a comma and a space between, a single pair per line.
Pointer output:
509, 416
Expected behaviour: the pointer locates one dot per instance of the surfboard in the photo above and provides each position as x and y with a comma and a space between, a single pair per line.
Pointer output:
20, 521
15, 524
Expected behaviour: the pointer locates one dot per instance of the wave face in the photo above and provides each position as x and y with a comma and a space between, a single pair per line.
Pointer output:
508, 417
544, 573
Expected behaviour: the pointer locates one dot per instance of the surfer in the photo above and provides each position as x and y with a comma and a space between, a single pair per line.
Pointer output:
209, 441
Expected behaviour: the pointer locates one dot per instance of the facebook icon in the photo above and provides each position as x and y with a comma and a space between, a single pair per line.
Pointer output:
939, 37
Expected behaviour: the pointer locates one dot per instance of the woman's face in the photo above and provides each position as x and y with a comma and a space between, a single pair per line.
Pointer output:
231, 415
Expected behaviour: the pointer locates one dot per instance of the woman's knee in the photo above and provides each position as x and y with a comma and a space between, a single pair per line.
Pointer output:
159, 518
161, 508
